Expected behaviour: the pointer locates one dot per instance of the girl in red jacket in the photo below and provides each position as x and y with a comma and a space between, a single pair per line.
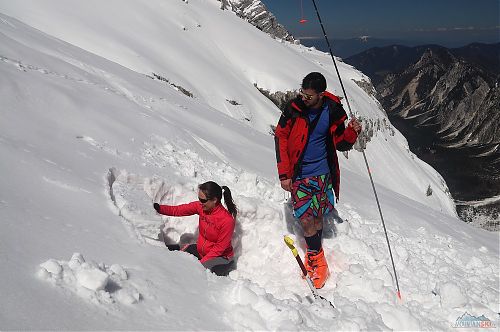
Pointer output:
215, 228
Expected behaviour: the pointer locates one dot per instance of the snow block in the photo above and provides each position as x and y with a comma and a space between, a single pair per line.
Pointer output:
119, 271
52, 266
93, 279
76, 261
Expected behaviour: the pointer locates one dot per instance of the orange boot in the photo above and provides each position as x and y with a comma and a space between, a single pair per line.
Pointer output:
307, 264
320, 269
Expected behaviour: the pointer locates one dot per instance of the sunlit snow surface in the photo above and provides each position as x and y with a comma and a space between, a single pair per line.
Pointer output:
88, 141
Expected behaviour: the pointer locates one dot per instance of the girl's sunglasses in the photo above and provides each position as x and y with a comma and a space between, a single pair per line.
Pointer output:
203, 200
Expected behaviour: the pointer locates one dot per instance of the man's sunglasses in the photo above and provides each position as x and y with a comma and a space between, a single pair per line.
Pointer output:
305, 95
203, 200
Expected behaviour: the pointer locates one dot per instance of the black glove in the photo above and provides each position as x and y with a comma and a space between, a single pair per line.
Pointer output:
157, 207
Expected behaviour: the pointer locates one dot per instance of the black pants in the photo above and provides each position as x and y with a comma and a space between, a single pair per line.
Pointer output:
219, 265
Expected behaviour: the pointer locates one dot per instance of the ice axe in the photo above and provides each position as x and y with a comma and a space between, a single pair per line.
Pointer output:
289, 242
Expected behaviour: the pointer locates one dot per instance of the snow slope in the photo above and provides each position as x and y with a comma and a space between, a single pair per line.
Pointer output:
88, 140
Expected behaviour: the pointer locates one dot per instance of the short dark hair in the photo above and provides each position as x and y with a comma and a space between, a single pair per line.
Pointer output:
315, 81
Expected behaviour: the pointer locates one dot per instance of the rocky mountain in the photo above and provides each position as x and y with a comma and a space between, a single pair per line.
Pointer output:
458, 98
377, 62
255, 12
447, 103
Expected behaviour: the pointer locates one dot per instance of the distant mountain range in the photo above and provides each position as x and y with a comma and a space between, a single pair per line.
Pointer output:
453, 90
348, 47
378, 62
447, 104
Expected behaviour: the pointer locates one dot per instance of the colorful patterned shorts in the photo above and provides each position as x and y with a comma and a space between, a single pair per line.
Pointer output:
312, 197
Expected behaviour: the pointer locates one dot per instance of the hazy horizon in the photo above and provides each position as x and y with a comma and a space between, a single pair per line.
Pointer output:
450, 23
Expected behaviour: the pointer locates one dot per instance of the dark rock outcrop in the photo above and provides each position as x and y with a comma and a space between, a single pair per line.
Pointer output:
255, 12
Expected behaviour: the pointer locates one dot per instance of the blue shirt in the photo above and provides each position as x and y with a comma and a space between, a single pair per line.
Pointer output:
315, 161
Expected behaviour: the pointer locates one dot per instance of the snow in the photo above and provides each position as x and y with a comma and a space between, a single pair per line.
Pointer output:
89, 141
94, 282
451, 295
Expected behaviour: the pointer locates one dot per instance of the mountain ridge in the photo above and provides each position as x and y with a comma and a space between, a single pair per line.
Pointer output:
257, 14
446, 102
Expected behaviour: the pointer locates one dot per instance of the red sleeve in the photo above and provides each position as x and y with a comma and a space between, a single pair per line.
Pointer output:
181, 210
348, 135
224, 242
281, 135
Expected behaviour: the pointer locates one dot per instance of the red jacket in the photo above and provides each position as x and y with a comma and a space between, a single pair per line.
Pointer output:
215, 228
292, 134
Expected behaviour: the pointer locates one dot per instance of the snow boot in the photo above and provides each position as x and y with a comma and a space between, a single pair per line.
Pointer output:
307, 265
319, 266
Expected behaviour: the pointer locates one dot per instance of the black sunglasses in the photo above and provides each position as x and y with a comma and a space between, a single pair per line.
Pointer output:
306, 96
203, 200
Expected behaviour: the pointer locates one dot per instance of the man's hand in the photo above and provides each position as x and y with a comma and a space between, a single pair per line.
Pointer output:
355, 125
287, 184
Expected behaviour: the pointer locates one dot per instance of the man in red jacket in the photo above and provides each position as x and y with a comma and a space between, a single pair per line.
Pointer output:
215, 229
309, 132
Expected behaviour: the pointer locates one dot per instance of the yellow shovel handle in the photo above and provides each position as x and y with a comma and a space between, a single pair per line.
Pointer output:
289, 243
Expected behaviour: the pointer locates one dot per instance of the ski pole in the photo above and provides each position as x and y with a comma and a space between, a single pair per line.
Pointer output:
363, 151
289, 242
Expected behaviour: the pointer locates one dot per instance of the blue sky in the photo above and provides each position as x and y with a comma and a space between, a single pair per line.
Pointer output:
444, 21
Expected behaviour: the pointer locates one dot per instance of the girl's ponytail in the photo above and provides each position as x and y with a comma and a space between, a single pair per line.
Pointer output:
228, 199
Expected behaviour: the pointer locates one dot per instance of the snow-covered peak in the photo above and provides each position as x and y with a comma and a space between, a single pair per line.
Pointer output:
255, 12
97, 124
